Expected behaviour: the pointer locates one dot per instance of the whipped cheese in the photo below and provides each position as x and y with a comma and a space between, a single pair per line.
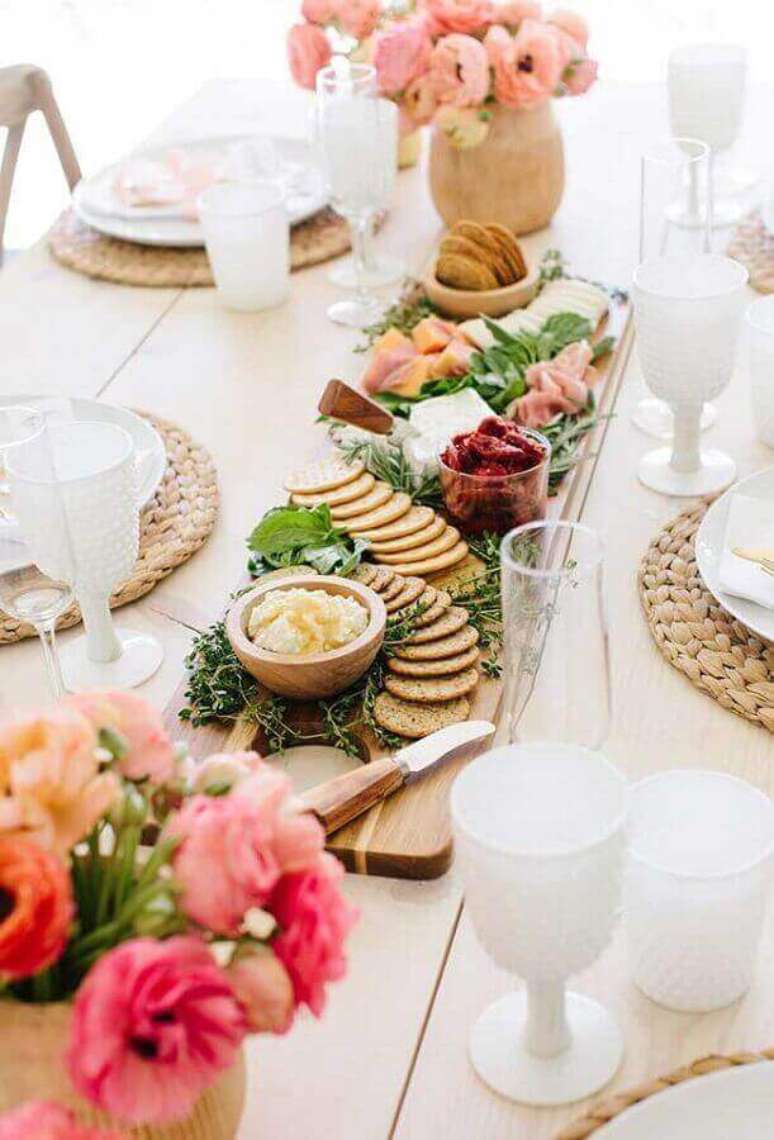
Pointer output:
300, 621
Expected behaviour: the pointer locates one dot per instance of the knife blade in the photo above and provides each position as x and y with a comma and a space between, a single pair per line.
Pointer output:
339, 801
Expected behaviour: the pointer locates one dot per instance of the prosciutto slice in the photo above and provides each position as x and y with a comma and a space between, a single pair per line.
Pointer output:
556, 386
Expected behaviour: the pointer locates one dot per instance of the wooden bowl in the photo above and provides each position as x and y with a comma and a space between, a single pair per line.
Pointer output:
465, 303
308, 676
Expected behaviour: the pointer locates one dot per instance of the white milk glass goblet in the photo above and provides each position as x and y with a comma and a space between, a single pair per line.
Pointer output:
759, 331
697, 879
26, 592
675, 210
538, 834
687, 311
556, 661
247, 233
82, 525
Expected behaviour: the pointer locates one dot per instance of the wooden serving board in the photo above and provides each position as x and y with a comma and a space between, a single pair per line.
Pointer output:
409, 835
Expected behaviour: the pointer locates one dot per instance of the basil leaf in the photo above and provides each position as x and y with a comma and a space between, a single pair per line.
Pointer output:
284, 529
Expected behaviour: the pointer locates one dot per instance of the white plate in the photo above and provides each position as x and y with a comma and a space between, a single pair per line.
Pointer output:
709, 549
733, 1104
149, 449
92, 197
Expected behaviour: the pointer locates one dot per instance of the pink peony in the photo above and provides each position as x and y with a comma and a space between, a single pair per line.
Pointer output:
358, 18
419, 102
138, 726
466, 16
233, 849
580, 76
308, 51
527, 66
153, 1024
45, 1120
262, 986
572, 25
314, 920
512, 12
459, 69
401, 53
319, 11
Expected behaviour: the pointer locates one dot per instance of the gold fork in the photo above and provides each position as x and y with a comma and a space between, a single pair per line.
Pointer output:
764, 558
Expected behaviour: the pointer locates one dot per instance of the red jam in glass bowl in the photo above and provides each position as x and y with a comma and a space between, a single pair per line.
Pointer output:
496, 477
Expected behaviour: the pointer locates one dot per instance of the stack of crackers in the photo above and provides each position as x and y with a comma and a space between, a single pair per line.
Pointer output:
478, 257
412, 540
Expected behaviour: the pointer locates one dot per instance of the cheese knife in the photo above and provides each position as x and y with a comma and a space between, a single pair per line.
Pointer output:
341, 401
342, 799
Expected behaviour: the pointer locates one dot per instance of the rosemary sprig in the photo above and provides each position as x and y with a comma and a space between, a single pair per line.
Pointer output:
387, 462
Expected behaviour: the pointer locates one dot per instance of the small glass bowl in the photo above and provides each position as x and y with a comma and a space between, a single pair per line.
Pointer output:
497, 503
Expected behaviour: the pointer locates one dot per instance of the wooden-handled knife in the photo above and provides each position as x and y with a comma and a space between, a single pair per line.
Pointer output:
342, 799
342, 402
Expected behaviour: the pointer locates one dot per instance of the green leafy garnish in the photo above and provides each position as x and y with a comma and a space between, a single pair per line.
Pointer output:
387, 462
294, 536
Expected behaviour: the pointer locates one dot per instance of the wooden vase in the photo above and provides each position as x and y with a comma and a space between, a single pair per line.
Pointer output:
34, 1039
514, 177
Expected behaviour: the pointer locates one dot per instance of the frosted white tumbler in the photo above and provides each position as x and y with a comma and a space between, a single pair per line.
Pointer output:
759, 329
696, 886
247, 233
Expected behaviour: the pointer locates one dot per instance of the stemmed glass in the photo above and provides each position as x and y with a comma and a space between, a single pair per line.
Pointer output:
26, 592
357, 135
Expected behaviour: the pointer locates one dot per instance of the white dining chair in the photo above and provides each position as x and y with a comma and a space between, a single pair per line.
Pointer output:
24, 89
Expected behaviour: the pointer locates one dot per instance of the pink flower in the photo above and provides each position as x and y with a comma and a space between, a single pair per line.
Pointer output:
572, 25
153, 1024
314, 919
459, 69
36, 902
512, 12
34, 735
225, 770
262, 986
358, 18
149, 753
233, 849
319, 11
401, 53
465, 16
419, 101
308, 51
45, 1120
527, 66
580, 76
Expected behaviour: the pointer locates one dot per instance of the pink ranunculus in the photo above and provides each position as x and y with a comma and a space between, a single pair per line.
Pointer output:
263, 989
38, 734
308, 51
225, 770
401, 53
466, 16
527, 66
572, 25
150, 754
358, 18
459, 69
319, 11
314, 920
233, 849
419, 101
512, 12
153, 1025
580, 76
46, 1120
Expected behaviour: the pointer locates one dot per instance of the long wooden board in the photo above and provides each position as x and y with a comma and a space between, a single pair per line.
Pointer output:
409, 835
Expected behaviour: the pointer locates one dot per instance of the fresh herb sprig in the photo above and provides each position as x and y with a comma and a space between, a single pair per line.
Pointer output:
480, 596
386, 461
295, 536
219, 688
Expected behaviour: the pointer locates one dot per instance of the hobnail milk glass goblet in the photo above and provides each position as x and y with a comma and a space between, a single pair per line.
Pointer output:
687, 311
539, 842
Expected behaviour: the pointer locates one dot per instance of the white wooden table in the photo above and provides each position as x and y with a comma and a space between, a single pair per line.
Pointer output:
389, 1057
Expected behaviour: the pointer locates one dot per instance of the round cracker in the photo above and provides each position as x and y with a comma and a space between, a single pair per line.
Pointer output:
377, 495
414, 720
425, 601
450, 621
382, 578
393, 589
439, 562
412, 521
439, 607
360, 486
395, 508
323, 476
461, 272
465, 638
412, 588
410, 541
443, 668
365, 573
445, 541
430, 690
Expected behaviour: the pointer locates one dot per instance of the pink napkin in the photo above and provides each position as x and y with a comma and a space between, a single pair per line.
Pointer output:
175, 179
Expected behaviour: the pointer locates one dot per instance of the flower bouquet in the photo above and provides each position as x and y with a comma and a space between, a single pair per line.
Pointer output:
131, 973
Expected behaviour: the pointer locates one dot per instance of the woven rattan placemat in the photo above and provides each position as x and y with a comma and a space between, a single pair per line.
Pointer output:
753, 245
717, 654
79, 247
173, 526
613, 1106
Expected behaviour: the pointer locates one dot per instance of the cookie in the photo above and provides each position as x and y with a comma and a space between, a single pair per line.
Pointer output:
464, 639
365, 573
439, 607
353, 490
378, 494
453, 619
473, 232
424, 602
440, 562
393, 509
326, 475
510, 247
429, 690
460, 272
445, 541
382, 578
412, 521
412, 588
454, 243
410, 541
394, 589
443, 668
414, 720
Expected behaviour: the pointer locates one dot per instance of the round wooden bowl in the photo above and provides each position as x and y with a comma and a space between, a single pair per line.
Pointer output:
465, 303
309, 676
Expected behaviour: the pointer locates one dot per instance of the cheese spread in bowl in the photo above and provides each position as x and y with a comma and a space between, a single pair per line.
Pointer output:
301, 621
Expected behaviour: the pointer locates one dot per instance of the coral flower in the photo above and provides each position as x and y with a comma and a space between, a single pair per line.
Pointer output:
572, 25
45, 1120
459, 69
465, 16
149, 752
308, 51
263, 989
358, 18
419, 101
580, 76
36, 908
527, 66
153, 1025
401, 54
512, 12
319, 11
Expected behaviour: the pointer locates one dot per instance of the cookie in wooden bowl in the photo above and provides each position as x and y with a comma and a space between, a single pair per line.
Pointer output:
480, 269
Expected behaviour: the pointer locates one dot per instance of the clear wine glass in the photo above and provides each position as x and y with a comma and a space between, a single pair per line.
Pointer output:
357, 136
27, 593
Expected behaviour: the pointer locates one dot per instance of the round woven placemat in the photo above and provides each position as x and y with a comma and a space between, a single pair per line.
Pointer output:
717, 654
613, 1106
79, 247
176, 522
